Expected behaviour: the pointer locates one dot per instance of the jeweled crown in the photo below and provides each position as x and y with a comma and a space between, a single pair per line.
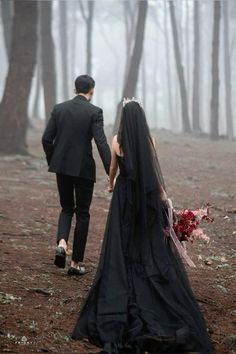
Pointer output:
133, 99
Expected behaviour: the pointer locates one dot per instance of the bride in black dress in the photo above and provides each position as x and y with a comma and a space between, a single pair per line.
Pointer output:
141, 300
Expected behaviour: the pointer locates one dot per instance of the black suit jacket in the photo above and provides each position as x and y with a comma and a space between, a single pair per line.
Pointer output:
67, 140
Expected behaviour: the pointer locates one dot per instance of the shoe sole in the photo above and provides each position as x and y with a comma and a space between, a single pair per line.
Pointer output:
75, 273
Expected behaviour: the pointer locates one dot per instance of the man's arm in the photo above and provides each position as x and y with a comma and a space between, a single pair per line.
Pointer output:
49, 136
100, 140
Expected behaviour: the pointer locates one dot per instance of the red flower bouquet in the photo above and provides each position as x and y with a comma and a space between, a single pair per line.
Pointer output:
186, 224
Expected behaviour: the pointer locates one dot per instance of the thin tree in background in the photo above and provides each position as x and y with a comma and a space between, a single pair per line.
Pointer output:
158, 28
48, 60
196, 71
168, 69
38, 87
73, 39
88, 18
144, 78
180, 71
130, 12
214, 123
7, 15
155, 85
132, 76
187, 30
64, 48
228, 85
37, 74
14, 105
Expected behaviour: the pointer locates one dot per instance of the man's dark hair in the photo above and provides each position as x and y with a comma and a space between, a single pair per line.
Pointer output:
84, 83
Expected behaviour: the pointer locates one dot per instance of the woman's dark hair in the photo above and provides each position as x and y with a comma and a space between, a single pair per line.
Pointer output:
137, 146
132, 117
84, 83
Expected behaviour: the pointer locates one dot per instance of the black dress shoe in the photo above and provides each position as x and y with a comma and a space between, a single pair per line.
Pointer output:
60, 258
76, 271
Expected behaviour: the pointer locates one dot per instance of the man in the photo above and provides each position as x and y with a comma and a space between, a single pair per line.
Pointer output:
67, 142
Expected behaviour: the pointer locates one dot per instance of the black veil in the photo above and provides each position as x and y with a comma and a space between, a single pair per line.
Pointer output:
145, 181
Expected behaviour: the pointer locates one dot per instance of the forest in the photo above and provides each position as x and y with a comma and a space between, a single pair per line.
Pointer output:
178, 58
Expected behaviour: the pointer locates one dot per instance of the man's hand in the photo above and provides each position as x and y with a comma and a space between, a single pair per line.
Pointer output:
110, 188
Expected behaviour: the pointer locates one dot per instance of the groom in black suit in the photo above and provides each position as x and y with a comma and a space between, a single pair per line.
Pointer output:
67, 142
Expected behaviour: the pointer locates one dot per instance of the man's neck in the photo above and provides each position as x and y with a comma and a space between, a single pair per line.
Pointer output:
84, 95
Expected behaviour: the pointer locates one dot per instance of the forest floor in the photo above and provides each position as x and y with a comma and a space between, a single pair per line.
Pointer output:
40, 303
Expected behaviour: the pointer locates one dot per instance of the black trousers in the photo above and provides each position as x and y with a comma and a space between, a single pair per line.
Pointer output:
75, 197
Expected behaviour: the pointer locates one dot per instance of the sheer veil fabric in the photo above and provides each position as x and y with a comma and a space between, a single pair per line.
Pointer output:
141, 299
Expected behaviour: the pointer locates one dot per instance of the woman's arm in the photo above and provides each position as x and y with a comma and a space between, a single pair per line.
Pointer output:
113, 166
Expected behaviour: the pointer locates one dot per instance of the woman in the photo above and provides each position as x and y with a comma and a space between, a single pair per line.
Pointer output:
141, 299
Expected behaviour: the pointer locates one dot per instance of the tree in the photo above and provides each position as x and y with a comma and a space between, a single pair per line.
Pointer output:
38, 75
214, 123
187, 31
64, 47
14, 105
196, 71
130, 14
228, 84
168, 70
144, 77
7, 14
180, 70
47, 60
88, 18
132, 76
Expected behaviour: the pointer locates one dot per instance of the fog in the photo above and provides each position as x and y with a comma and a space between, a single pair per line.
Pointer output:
113, 27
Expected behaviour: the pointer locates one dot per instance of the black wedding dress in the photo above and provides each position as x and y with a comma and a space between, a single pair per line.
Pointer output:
140, 300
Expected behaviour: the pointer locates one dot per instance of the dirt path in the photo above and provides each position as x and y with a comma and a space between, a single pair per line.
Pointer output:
40, 303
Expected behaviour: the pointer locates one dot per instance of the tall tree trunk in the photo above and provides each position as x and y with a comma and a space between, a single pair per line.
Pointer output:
180, 71
38, 86
144, 81
196, 71
132, 76
155, 86
64, 48
130, 18
7, 15
187, 47
48, 61
73, 40
14, 105
88, 18
37, 74
228, 85
89, 36
168, 69
214, 131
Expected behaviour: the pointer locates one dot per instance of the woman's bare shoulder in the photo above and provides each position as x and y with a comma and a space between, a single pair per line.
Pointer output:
116, 145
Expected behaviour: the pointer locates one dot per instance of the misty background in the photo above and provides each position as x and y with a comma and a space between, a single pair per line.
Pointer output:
177, 57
